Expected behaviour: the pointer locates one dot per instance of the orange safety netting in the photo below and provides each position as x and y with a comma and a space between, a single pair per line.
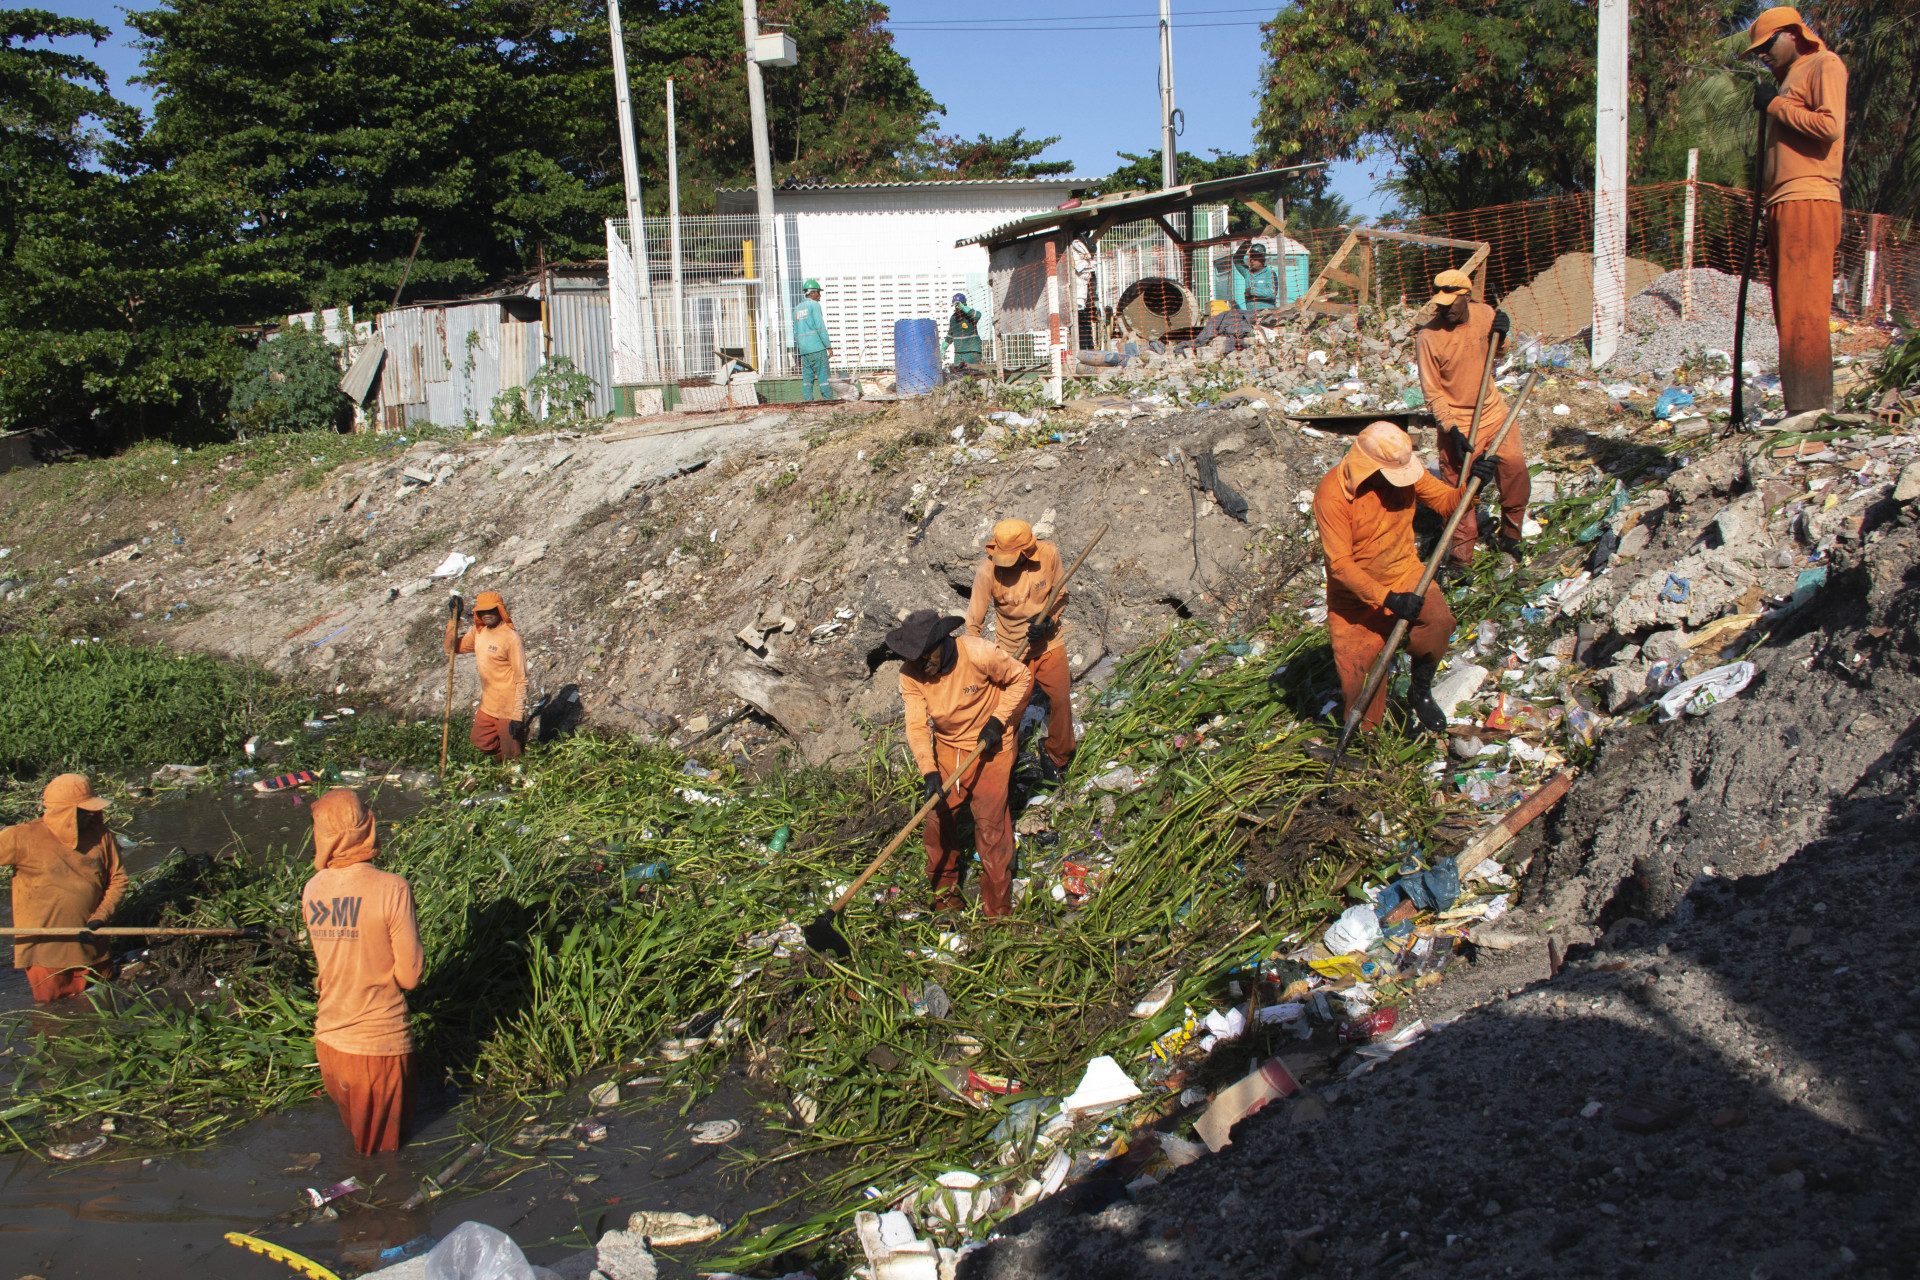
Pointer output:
1541, 254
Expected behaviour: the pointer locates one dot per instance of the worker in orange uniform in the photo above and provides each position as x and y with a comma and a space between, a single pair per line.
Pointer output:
500, 725
1806, 108
961, 691
66, 875
1015, 580
366, 949
1364, 508
1452, 350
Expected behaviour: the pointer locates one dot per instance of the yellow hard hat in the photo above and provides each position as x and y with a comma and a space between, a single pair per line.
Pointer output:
1219, 305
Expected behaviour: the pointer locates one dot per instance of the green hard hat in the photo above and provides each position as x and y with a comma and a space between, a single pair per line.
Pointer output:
809, 286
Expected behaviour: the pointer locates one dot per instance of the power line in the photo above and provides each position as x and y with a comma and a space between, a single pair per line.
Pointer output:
1075, 28
1076, 17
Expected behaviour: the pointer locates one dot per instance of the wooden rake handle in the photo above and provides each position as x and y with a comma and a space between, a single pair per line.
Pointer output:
840, 904
1060, 587
1401, 626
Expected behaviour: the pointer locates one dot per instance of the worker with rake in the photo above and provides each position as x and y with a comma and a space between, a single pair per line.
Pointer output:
1364, 508
500, 725
1805, 102
66, 874
1454, 351
1016, 579
367, 956
961, 692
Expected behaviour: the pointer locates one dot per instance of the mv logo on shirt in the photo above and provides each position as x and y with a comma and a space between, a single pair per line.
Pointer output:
341, 913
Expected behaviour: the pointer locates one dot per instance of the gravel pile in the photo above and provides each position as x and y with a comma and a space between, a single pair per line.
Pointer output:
1657, 339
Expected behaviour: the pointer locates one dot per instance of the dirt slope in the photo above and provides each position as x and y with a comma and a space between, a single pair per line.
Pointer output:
1756, 877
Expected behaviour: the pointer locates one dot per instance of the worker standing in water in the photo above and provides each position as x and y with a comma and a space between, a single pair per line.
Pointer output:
66, 875
1256, 286
963, 332
1452, 351
960, 692
500, 725
1015, 579
811, 341
1805, 102
367, 956
1364, 510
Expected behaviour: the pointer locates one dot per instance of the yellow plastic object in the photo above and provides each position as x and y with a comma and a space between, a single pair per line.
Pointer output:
305, 1266
1218, 305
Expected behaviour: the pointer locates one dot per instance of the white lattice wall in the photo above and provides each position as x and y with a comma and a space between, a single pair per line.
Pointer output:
861, 311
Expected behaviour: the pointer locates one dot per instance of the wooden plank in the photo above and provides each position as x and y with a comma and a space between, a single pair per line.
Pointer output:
1319, 284
1332, 308
1408, 237
1338, 276
1167, 227
1279, 226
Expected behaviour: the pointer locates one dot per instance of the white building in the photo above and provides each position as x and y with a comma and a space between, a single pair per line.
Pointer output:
882, 251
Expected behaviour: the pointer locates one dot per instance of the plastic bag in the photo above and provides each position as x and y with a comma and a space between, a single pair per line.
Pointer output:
1356, 930
1695, 696
1670, 399
475, 1251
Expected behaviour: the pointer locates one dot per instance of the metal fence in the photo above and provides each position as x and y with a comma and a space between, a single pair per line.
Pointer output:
732, 296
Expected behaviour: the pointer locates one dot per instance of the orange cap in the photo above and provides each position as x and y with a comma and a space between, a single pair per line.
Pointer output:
1387, 449
1771, 23
1011, 539
71, 791
1450, 284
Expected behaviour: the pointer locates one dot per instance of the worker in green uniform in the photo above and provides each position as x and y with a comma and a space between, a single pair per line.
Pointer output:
1256, 286
963, 331
811, 341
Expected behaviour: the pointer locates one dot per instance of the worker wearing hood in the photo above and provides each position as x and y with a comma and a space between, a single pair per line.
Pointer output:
66, 875
500, 725
963, 332
1364, 509
961, 691
1803, 94
1014, 580
367, 955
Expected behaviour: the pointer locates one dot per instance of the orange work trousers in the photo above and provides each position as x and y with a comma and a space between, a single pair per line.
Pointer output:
57, 984
490, 737
1801, 238
375, 1095
1360, 633
1051, 677
1516, 487
984, 788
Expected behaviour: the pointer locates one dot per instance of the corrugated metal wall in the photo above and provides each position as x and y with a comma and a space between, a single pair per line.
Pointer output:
447, 364
583, 332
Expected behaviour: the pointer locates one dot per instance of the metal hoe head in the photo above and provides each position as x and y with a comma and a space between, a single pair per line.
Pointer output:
821, 935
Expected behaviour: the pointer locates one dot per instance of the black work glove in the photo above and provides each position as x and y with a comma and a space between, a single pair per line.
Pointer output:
1482, 469
993, 733
517, 730
1455, 441
1044, 629
453, 605
1405, 604
1502, 323
929, 786
1764, 92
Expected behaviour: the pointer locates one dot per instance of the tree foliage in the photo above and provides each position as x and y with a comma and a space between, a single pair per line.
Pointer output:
1478, 102
291, 383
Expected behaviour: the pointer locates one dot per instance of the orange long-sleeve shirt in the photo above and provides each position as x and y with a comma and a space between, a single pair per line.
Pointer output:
366, 946
501, 658
1366, 531
1017, 595
1807, 130
1450, 359
58, 886
953, 708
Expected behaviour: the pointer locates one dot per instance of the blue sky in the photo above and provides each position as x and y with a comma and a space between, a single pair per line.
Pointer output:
1083, 69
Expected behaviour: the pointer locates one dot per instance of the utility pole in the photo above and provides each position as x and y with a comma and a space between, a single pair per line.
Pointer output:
673, 238
629, 158
762, 174
1168, 175
1610, 183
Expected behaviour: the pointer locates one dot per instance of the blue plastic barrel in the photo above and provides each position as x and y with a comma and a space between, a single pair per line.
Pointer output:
916, 356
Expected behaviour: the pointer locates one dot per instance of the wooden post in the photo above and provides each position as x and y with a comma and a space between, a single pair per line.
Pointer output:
1686, 235
1365, 287
1869, 273
1052, 382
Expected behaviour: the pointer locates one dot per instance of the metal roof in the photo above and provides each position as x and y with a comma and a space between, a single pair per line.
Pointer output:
1132, 206
919, 184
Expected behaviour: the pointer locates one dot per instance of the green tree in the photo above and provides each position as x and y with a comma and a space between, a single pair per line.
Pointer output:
1477, 103
1014, 156
290, 382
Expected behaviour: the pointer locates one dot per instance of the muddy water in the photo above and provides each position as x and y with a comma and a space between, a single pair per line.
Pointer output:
166, 1215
